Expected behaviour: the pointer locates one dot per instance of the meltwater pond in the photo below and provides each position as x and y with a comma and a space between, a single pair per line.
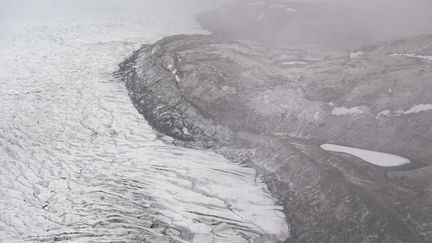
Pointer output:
79, 164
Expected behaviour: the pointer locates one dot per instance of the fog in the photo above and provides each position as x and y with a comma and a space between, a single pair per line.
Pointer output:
389, 19
369, 20
396, 18
51, 8
323, 23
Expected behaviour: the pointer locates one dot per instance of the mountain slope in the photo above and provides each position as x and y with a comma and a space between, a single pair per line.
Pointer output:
272, 108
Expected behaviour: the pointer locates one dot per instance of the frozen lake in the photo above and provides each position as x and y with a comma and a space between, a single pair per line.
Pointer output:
79, 164
373, 157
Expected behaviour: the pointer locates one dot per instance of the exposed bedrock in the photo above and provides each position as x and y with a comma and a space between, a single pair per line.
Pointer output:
272, 108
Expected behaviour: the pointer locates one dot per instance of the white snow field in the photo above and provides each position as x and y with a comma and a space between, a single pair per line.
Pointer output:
341, 111
79, 164
418, 108
373, 157
411, 55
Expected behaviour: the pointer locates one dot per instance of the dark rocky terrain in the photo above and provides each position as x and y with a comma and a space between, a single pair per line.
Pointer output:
272, 108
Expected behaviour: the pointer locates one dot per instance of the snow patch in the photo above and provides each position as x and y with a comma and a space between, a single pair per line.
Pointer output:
341, 111
413, 110
389, 113
373, 157
255, 4
284, 7
278, 6
294, 63
262, 16
356, 54
419, 108
412, 55
314, 59
291, 10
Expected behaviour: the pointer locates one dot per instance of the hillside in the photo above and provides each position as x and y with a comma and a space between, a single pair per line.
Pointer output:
273, 108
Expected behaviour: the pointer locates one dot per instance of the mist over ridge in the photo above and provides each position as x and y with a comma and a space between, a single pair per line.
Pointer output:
308, 23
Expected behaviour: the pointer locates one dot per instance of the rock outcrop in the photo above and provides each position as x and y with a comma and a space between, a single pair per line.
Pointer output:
272, 108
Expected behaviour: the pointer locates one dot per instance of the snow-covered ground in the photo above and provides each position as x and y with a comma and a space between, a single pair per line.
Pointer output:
356, 54
418, 108
294, 63
341, 111
373, 157
412, 55
79, 164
